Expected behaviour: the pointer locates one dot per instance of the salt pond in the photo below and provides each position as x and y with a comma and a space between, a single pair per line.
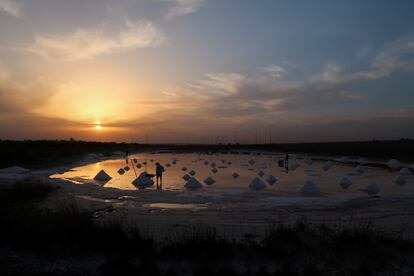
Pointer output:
247, 167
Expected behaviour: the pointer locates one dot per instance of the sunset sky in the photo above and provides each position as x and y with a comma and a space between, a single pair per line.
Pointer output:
206, 70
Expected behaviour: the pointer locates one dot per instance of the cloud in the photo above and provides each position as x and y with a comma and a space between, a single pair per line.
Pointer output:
88, 43
11, 7
182, 7
275, 71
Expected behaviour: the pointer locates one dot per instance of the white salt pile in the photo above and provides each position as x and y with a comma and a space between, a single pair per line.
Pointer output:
121, 171
139, 166
213, 164
209, 180
102, 176
359, 169
184, 169
309, 188
271, 180
126, 168
257, 184
142, 181
308, 162
406, 172
345, 182
186, 177
400, 180
327, 166
362, 161
293, 166
192, 173
371, 189
393, 164
214, 170
14, 170
261, 173
235, 175
193, 183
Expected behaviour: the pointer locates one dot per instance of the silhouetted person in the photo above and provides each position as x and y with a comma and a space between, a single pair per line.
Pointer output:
159, 170
126, 156
287, 162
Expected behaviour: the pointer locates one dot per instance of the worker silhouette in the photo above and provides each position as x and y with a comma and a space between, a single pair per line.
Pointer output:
287, 162
159, 170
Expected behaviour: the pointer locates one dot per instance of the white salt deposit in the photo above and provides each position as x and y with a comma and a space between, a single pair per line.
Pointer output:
214, 170
235, 175
327, 166
121, 171
309, 188
308, 162
209, 180
359, 169
126, 168
186, 177
400, 180
394, 164
192, 173
406, 172
102, 176
213, 164
14, 170
293, 166
345, 182
271, 180
139, 166
261, 173
184, 169
371, 189
193, 183
362, 161
142, 181
257, 184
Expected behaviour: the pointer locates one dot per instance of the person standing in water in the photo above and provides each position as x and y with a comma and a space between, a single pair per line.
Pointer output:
159, 170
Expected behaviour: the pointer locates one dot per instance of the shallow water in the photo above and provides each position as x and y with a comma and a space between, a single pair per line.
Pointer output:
288, 184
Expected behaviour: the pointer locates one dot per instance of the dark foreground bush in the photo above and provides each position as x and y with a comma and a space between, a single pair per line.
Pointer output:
68, 241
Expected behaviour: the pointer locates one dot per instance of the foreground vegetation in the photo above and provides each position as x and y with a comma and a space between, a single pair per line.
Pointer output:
69, 241
43, 153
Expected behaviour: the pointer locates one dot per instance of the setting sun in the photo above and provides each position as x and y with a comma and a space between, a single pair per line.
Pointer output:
98, 126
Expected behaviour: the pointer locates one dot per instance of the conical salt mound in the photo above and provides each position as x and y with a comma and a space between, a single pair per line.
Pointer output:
359, 169
186, 177
139, 166
257, 184
294, 166
251, 162
126, 168
327, 166
235, 175
192, 173
371, 189
121, 171
345, 182
394, 164
168, 165
102, 176
308, 162
406, 171
400, 180
184, 169
213, 164
209, 180
214, 170
143, 181
309, 188
271, 180
193, 183
260, 173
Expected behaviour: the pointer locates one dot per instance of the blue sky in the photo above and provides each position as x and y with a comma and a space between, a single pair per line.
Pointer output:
203, 70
